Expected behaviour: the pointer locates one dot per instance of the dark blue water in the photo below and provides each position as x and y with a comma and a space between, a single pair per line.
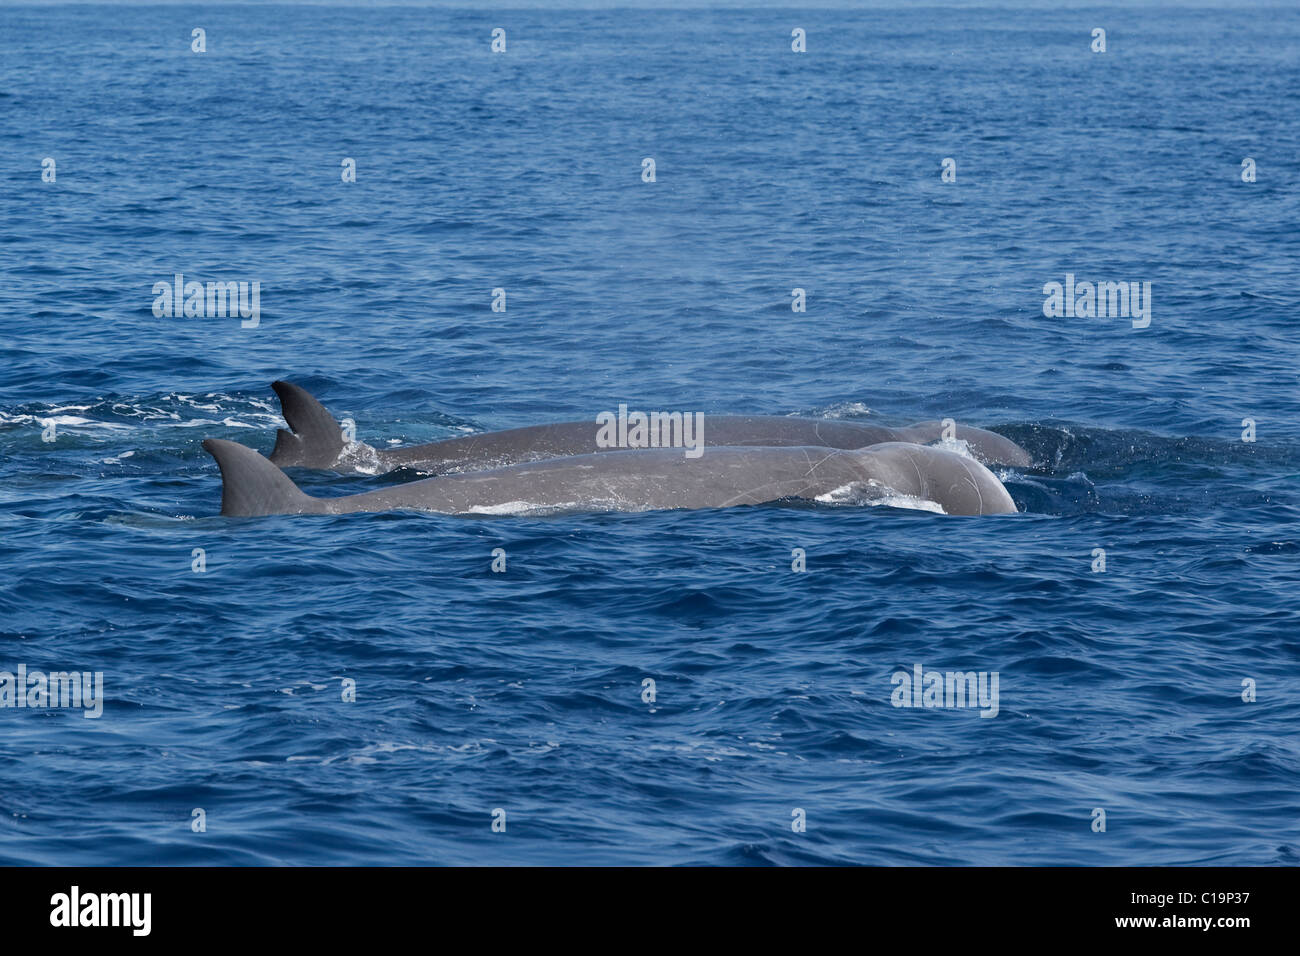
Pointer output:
1119, 690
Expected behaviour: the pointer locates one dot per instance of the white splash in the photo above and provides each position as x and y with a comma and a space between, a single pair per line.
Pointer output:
361, 457
955, 445
505, 508
910, 502
875, 495
847, 410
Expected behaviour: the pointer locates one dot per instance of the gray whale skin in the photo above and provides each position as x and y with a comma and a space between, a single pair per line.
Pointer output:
641, 480
315, 440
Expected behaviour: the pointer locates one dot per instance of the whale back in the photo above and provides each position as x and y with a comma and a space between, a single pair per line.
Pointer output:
960, 485
315, 439
253, 486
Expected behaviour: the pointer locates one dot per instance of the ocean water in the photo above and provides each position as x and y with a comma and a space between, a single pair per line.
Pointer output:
1119, 690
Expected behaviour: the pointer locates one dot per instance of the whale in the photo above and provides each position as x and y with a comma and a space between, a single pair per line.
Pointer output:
647, 480
316, 440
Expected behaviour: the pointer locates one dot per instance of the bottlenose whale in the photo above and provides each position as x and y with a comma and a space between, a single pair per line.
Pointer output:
315, 440
650, 479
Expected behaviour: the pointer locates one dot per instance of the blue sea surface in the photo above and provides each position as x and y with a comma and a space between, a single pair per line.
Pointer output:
1121, 689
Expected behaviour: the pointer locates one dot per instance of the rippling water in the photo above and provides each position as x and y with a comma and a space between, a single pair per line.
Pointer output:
1119, 690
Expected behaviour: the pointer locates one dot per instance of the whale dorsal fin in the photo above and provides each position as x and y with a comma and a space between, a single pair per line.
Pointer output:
316, 439
251, 485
